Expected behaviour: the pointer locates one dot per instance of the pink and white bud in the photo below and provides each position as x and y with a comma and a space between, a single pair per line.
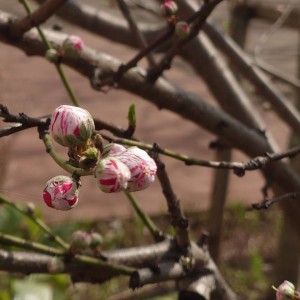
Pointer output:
112, 175
61, 193
169, 8
116, 149
142, 168
72, 45
285, 291
71, 126
182, 29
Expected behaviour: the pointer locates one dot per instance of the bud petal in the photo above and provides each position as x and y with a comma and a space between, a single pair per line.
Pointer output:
116, 149
285, 291
142, 168
61, 193
169, 8
112, 175
71, 126
72, 45
182, 29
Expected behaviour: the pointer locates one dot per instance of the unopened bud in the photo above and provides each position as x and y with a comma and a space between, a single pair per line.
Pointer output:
80, 240
71, 126
72, 45
285, 291
182, 29
112, 175
96, 240
61, 193
169, 8
52, 55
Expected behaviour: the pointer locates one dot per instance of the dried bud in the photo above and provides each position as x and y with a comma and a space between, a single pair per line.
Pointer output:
61, 193
182, 29
52, 55
285, 291
72, 45
71, 126
142, 168
112, 175
169, 8
80, 240
96, 240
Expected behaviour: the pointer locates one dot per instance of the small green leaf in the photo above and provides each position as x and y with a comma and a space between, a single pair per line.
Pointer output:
132, 115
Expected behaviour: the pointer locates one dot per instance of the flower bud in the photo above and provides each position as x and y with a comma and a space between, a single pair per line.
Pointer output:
80, 240
169, 8
182, 29
142, 168
116, 149
112, 175
52, 55
285, 291
71, 126
61, 193
96, 240
72, 45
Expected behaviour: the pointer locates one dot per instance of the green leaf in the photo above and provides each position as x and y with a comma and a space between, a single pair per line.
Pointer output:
132, 115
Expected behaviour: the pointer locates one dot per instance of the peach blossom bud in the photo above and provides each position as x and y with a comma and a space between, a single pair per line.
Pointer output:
72, 45
116, 149
96, 240
169, 8
61, 193
112, 175
285, 291
182, 29
80, 239
71, 126
52, 55
142, 168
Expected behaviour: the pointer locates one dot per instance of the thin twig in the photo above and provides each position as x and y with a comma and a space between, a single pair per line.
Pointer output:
268, 202
178, 220
135, 30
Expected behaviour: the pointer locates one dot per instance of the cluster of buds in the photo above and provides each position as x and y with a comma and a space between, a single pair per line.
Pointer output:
131, 169
71, 47
115, 167
169, 9
82, 240
285, 291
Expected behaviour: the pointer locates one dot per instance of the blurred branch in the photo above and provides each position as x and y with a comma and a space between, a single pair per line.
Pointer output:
165, 95
26, 211
102, 23
284, 108
199, 18
141, 41
45, 11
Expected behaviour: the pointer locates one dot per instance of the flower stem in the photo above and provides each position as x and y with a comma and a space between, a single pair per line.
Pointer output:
58, 66
155, 232
60, 161
39, 222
